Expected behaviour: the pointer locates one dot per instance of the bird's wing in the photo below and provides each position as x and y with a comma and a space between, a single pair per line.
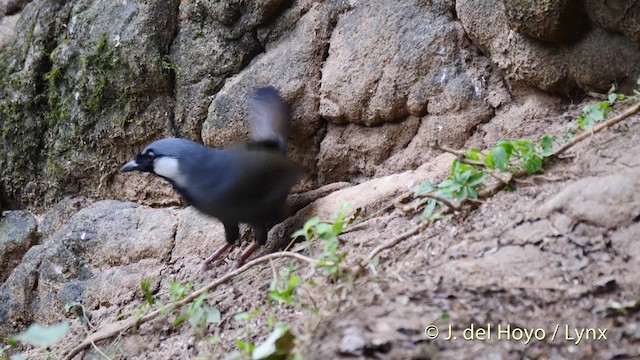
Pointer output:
269, 119
261, 177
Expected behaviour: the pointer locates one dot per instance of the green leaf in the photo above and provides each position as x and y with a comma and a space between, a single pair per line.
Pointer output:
507, 146
337, 227
196, 318
464, 176
213, 315
38, 335
428, 210
306, 230
247, 316
145, 285
245, 346
476, 179
324, 231
612, 98
546, 143
213, 339
473, 154
424, 187
500, 157
277, 346
488, 160
533, 165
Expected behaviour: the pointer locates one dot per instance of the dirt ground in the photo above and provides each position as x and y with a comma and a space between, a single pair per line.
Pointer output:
547, 270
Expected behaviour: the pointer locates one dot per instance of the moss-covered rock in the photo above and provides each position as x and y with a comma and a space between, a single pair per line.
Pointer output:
87, 85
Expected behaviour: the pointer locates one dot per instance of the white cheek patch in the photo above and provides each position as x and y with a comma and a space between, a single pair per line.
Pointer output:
168, 167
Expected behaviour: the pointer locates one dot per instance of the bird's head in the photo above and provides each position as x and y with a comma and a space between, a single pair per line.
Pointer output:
163, 157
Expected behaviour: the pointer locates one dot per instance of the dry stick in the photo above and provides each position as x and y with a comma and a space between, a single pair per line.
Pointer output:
614, 120
393, 242
451, 206
118, 327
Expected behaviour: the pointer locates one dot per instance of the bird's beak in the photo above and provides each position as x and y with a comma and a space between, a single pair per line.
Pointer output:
130, 166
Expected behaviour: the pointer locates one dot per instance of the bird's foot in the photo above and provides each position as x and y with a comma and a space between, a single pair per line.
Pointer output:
206, 265
236, 265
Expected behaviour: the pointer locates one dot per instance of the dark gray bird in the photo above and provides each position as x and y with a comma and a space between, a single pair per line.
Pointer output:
243, 183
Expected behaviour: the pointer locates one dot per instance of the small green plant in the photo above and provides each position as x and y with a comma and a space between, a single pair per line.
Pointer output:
329, 258
468, 175
178, 291
517, 155
596, 112
462, 182
278, 345
198, 314
164, 64
244, 343
283, 287
145, 286
147, 305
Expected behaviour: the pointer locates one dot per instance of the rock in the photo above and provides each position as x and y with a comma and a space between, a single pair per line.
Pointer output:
98, 259
18, 233
226, 40
558, 69
354, 152
60, 213
352, 342
521, 119
14, 6
372, 76
8, 26
618, 16
607, 201
76, 79
555, 21
603, 285
452, 130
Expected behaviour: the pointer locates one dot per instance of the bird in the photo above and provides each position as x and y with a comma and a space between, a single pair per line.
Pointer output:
245, 182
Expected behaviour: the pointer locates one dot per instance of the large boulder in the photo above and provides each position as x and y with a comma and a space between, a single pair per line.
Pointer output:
569, 61
98, 259
18, 232
84, 84
215, 41
372, 76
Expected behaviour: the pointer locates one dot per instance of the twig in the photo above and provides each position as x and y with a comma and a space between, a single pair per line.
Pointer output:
100, 351
113, 329
451, 206
607, 124
395, 241
459, 153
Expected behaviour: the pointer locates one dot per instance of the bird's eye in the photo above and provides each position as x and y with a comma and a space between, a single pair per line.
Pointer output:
150, 154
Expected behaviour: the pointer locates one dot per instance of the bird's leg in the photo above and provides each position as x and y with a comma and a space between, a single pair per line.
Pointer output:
206, 265
231, 232
245, 255
261, 239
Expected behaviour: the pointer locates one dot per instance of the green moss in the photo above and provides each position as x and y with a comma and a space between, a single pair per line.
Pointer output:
164, 65
97, 96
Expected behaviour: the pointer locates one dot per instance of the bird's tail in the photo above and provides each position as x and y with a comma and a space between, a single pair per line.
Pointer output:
269, 120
